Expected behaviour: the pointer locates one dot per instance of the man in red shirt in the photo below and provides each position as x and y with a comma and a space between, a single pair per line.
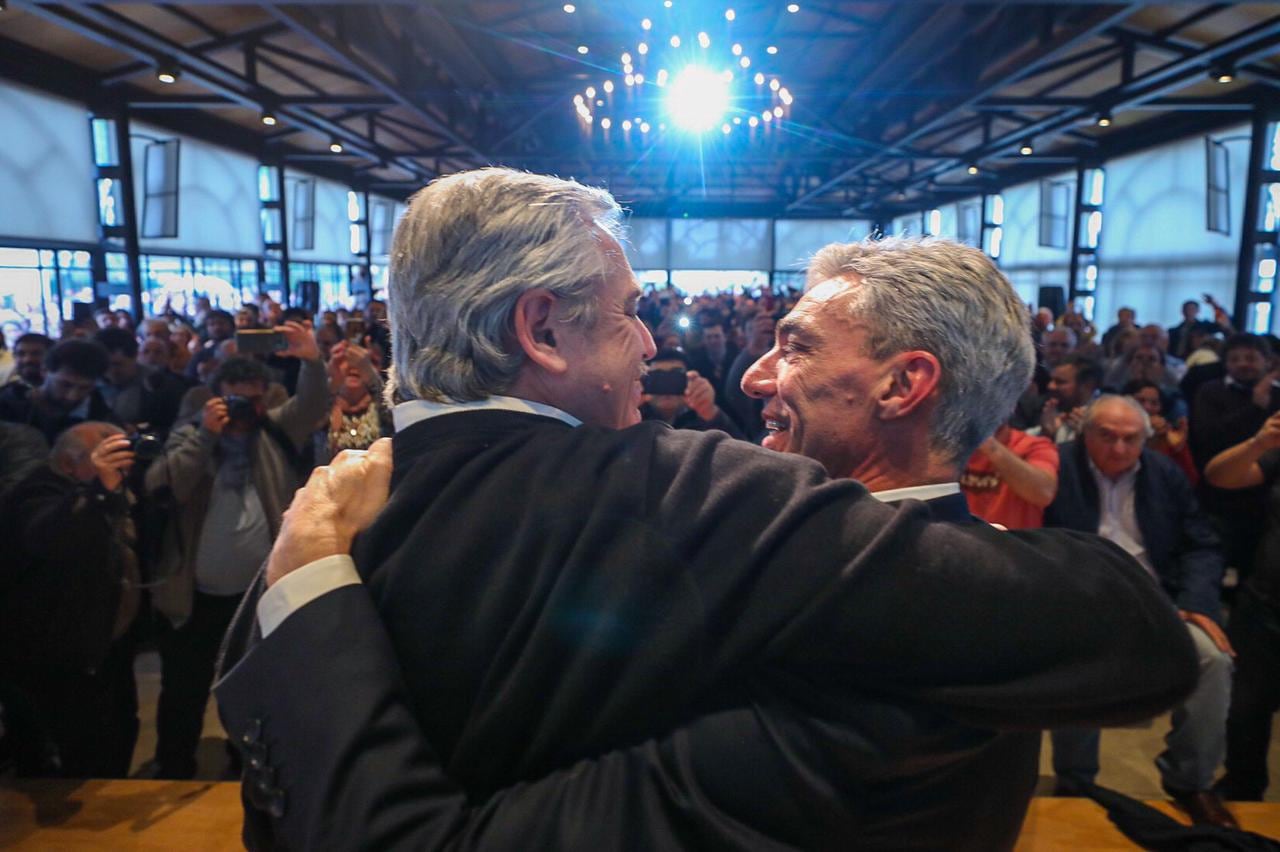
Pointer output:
1011, 478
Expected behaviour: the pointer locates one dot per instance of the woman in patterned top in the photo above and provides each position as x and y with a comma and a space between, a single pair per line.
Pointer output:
358, 416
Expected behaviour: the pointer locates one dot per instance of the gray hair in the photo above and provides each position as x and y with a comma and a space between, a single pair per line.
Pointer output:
76, 443
468, 247
950, 300
1129, 402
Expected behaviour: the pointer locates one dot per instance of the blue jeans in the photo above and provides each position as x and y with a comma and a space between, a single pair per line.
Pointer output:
1195, 745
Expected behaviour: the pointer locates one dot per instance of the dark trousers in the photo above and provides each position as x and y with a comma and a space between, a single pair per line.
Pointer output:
187, 658
1255, 695
90, 716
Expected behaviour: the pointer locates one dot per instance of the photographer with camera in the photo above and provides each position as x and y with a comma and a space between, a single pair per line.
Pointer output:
682, 398
68, 596
229, 477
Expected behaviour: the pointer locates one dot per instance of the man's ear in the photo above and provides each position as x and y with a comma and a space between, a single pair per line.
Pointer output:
910, 381
534, 318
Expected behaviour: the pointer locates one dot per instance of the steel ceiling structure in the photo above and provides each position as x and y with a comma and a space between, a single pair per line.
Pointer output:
894, 102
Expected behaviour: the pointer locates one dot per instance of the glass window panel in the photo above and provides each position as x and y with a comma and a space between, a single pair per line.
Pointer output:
22, 257
646, 243
697, 281
110, 203
1269, 215
1273, 132
268, 183
105, 152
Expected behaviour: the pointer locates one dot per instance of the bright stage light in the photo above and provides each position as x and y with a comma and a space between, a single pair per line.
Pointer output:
642, 48
675, 41
697, 98
683, 322
646, 24
704, 40
608, 85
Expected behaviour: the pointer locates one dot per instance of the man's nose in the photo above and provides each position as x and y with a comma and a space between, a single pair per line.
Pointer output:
760, 380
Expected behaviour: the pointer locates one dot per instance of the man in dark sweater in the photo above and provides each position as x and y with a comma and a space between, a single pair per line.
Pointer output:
1255, 618
1226, 412
676, 640
1110, 485
67, 396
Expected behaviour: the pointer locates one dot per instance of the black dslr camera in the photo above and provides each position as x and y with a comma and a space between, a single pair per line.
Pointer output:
146, 446
240, 409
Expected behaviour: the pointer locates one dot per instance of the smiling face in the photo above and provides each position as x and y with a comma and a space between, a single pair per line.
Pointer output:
819, 383
606, 360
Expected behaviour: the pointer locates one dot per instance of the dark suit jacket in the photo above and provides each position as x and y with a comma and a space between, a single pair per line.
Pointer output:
658, 639
1180, 543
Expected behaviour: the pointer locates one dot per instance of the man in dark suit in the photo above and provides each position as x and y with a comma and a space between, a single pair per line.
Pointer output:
1110, 485
672, 639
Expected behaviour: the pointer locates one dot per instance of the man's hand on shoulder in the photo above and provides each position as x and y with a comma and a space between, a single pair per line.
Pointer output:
337, 502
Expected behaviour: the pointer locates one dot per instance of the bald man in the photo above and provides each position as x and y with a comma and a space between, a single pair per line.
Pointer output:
70, 594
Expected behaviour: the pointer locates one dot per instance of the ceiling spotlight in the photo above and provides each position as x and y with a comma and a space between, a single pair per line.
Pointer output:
1026, 150
646, 24
642, 48
753, 121
785, 96
774, 84
628, 69
737, 119
766, 115
666, 3
725, 128
793, 7
737, 50
335, 146
771, 49
608, 85
745, 62
630, 79
729, 14
606, 123
675, 41
626, 58
662, 77
168, 73
588, 118
777, 111
759, 78
582, 48
704, 40
727, 75
1223, 74
902, 195
973, 168
268, 118
639, 79
591, 91
698, 97
570, 8
626, 124
577, 100
599, 103
1104, 119
644, 127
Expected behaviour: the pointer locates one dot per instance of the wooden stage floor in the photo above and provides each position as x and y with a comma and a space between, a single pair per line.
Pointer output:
70, 816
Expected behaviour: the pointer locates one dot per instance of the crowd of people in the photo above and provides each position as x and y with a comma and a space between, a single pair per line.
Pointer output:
145, 471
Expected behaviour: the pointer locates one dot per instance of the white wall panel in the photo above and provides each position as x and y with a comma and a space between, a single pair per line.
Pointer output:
720, 243
218, 207
1155, 249
46, 168
332, 228
796, 240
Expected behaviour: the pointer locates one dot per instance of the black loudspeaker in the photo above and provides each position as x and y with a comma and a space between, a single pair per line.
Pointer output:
1054, 298
308, 296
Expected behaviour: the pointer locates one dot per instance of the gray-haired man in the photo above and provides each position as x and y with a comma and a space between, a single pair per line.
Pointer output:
678, 640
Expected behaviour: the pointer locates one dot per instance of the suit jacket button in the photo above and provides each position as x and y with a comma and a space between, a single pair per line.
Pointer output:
253, 732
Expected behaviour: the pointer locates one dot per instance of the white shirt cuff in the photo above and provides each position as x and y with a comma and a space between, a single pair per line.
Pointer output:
298, 588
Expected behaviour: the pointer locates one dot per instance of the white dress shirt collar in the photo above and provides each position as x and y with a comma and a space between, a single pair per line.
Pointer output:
408, 413
917, 492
